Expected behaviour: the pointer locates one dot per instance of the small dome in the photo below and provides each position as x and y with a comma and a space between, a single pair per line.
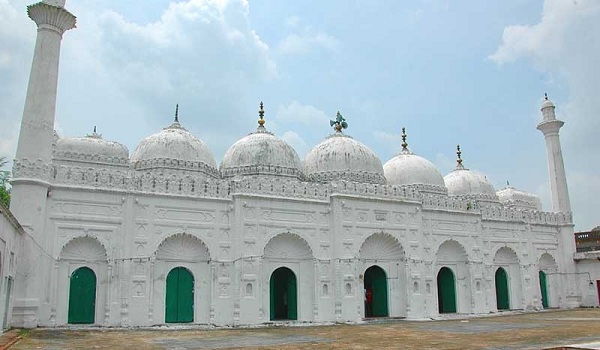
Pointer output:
464, 182
409, 169
174, 147
547, 102
261, 153
91, 148
513, 198
340, 157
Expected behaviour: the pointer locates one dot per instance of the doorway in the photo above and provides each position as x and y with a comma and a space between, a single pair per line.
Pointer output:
82, 296
284, 295
502, 301
179, 304
544, 289
446, 291
376, 292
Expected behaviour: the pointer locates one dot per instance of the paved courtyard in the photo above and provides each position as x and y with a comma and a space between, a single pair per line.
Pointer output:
539, 330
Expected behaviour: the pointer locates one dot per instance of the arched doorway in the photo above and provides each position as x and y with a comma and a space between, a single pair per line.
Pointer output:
284, 295
82, 296
179, 304
446, 291
544, 289
502, 289
376, 292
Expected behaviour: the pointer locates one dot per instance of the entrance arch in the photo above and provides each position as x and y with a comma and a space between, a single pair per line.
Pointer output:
283, 295
376, 292
446, 291
502, 299
82, 296
179, 303
544, 289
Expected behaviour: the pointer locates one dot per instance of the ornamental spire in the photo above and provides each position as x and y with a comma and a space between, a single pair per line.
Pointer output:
459, 159
261, 114
177, 113
339, 123
404, 144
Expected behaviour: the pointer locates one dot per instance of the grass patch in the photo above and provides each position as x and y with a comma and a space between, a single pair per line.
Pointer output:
23, 332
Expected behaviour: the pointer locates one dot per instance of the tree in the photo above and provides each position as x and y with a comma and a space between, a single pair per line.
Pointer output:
4, 182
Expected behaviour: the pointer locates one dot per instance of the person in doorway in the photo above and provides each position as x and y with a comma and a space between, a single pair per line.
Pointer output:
369, 302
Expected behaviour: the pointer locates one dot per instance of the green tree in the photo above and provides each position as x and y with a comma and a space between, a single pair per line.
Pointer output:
4, 182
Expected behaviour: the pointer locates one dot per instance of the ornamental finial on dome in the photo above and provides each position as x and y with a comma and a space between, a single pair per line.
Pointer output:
459, 159
261, 114
94, 135
177, 113
175, 124
545, 96
339, 122
404, 144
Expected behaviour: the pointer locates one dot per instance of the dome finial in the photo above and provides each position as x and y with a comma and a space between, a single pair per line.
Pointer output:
339, 123
546, 96
261, 114
404, 144
458, 159
177, 113
94, 135
94, 129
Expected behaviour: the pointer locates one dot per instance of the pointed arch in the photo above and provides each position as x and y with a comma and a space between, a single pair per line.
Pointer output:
547, 263
84, 249
381, 246
506, 256
182, 247
288, 246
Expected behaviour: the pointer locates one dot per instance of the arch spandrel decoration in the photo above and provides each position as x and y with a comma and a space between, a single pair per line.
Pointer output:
288, 246
506, 255
83, 248
182, 247
381, 246
451, 251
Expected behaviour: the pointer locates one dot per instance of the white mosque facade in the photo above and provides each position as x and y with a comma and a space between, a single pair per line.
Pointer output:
165, 235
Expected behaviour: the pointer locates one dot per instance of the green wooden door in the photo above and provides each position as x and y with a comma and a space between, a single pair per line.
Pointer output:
446, 291
502, 289
179, 304
82, 296
376, 283
283, 295
544, 289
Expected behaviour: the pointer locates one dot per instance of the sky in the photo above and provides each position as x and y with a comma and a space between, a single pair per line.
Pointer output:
452, 72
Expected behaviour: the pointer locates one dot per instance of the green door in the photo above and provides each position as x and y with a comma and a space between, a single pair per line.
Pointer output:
446, 291
502, 289
544, 289
283, 295
82, 296
179, 305
376, 292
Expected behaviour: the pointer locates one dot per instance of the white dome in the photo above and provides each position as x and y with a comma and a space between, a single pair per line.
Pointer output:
464, 182
513, 198
340, 157
175, 147
261, 153
91, 148
409, 169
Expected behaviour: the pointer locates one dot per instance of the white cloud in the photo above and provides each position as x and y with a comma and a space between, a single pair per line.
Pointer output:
303, 114
565, 44
296, 141
305, 39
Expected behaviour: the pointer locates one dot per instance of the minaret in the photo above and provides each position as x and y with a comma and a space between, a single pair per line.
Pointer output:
32, 170
550, 126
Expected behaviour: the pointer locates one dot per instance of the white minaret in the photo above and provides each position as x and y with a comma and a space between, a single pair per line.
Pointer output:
32, 170
550, 126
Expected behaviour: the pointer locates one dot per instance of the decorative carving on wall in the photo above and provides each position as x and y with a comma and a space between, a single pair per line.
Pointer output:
288, 246
182, 247
381, 246
83, 248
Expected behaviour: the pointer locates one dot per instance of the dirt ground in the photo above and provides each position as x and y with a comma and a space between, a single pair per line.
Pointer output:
538, 330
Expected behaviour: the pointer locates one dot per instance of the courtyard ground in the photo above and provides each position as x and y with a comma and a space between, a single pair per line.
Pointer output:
579, 329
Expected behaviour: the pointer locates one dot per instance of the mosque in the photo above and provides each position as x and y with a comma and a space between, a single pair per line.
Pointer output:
166, 235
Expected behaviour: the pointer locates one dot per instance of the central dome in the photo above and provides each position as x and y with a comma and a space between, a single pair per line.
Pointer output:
261, 153
340, 157
464, 182
174, 147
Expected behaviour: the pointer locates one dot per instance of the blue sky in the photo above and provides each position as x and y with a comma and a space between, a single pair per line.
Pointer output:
468, 72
